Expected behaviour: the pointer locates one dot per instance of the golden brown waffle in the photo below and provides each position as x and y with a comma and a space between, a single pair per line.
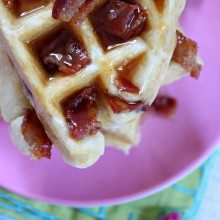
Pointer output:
156, 46
122, 138
12, 100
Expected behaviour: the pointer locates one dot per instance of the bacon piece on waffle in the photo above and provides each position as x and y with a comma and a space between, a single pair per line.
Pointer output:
125, 85
72, 10
185, 54
80, 112
23, 7
64, 53
122, 19
126, 74
35, 135
164, 105
10, 4
119, 105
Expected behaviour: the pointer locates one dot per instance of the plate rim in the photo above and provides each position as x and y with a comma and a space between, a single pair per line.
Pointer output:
122, 199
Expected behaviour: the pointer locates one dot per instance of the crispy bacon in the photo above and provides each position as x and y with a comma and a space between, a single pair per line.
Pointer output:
122, 19
119, 105
24, 7
185, 54
80, 111
72, 10
34, 134
10, 3
126, 73
125, 85
64, 53
164, 105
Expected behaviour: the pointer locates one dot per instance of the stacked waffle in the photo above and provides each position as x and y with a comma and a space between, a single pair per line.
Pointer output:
83, 81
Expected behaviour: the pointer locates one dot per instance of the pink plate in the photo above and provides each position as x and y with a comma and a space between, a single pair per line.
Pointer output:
168, 150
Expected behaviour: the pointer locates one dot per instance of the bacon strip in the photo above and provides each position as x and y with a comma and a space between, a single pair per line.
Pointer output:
72, 10
126, 73
164, 105
24, 7
10, 4
125, 85
80, 111
122, 19
119, 105
64, 53
185, 54
34, 134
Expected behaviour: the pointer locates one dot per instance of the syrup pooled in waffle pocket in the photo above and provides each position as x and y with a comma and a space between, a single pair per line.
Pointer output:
87, 79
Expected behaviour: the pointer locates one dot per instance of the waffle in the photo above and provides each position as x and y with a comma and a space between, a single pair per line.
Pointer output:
12, 100
155, 47
122, 138
125, 137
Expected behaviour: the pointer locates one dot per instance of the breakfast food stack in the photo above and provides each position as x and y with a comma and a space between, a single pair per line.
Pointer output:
88, 69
